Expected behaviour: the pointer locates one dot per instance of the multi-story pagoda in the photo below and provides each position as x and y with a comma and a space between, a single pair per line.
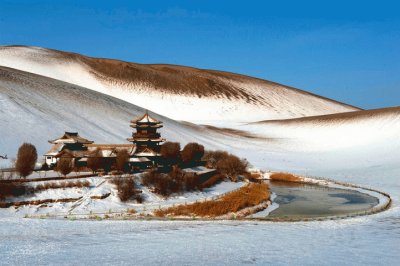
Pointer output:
146, 138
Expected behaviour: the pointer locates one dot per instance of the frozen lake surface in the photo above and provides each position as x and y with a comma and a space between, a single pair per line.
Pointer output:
298, 200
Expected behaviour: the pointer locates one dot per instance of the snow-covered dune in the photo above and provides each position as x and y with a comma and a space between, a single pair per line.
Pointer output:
181, 93
336, 131
348, 141
35, 109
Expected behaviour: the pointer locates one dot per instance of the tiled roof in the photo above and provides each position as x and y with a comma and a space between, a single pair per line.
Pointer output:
71, 137
55, 149
146, 118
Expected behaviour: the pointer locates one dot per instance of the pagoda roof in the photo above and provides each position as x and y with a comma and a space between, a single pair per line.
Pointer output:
71, 137
146, 139
135, 125
70, 154
146, 119
55, 149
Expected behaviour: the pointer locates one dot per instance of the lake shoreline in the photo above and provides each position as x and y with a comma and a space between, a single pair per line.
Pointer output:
384, 203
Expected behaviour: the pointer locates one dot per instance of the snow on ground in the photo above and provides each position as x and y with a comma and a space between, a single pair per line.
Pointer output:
368, 240
260, 99
49, 174
152, 201
359, 241
58, 193
363, 150
100, 186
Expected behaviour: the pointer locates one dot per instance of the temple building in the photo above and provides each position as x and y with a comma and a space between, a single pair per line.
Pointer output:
108, 152
146, 138
70, 141
144, 152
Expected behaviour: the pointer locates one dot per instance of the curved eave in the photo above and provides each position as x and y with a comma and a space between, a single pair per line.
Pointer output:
145, 154
146, 122
58, 141
146, 140
145, 126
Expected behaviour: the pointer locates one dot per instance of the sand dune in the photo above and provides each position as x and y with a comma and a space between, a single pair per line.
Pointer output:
181, 93
35, 108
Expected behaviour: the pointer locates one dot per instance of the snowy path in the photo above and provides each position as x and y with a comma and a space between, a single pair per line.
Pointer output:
84, 198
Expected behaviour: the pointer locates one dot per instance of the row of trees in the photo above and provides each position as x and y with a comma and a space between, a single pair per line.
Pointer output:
27, 158
172, 154
95, 162
227, 164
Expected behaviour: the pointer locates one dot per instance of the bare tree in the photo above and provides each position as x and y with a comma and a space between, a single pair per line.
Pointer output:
26, 159
95, 161
121, 160
127, 189
170, 152
232, 166
64, 165
213, 157
192, 152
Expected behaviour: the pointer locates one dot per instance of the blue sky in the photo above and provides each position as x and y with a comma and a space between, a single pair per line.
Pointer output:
345, 50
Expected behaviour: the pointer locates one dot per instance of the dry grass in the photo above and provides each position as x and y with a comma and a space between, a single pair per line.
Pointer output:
285, 177
36, 202
13, 189
176, 79
254, 177
169, 78
131, 211
100, 197
212, 181
55, 185
248, 196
